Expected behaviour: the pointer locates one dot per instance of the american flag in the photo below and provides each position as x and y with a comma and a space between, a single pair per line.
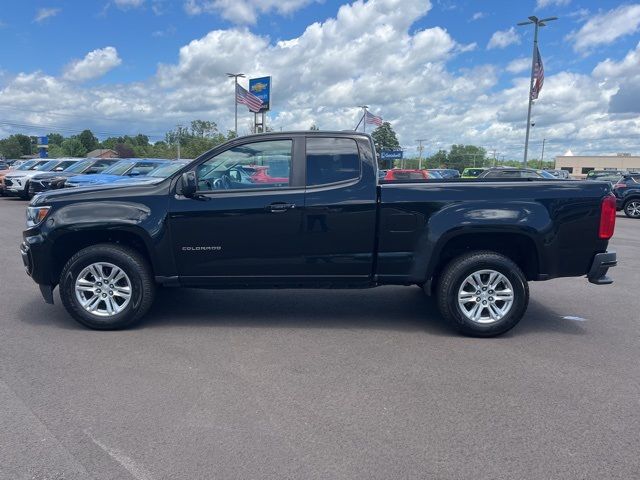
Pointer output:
372, 119
538, 76
247, 98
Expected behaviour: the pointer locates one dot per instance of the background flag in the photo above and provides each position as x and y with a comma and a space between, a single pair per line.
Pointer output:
538, 76
372, 119
247, 98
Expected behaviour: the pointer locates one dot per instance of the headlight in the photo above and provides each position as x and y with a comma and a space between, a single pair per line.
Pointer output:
35, 215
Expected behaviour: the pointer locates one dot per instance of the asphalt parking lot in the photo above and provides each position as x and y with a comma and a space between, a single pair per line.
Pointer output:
321, 384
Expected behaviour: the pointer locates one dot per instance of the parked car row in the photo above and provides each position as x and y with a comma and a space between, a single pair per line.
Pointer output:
396, 174
37, 176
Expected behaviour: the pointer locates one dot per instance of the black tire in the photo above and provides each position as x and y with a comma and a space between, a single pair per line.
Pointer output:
132, 263
631, 207
462, 267
25, 194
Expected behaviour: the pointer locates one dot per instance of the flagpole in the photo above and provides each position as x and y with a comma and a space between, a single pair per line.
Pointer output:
235, 98
537, 23
364, 118
533, 64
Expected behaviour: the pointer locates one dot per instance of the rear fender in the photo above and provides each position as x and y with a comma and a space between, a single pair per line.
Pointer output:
472, 219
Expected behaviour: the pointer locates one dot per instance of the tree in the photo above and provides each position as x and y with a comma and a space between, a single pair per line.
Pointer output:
72, 147
124, 150
25, 143
203, 128
462, 156
313, 127
438, 159
10, 147
141, 140
55, 139
88, 140
55, 151
384, 138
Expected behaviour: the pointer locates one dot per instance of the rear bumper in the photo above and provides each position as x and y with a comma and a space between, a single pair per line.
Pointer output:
602, 262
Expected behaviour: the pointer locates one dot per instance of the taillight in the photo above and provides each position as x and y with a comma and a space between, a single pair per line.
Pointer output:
607, 217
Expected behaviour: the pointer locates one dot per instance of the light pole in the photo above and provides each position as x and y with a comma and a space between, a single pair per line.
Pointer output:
542, 156
235, 93
537, 23
179, 129
420, 149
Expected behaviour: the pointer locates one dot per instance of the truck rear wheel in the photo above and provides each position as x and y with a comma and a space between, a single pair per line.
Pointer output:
107, 286
483, 294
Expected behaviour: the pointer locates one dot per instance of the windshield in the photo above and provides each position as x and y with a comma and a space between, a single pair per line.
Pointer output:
593, 174
27, 165
166, 170
50, 165
473, 172
546, 174
79, 167
119, 168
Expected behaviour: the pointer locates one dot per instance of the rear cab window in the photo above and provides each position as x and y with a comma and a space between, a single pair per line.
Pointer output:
331, 160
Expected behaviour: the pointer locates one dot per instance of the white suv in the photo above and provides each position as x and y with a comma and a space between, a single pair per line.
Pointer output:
17, 183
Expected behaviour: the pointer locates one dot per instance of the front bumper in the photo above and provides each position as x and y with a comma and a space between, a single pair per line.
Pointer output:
602, 262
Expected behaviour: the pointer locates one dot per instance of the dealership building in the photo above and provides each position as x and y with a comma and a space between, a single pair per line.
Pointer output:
578, 165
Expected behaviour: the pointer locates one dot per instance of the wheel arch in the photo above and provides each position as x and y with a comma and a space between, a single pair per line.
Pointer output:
71, 242
517, 246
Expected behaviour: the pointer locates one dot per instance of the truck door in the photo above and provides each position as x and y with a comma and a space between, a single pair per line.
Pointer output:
245, 222
339, 217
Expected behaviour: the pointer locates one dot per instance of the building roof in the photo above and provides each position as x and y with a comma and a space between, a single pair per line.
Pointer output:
100, 151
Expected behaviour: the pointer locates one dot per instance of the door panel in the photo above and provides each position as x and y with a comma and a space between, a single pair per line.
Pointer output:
339, 218
246, 219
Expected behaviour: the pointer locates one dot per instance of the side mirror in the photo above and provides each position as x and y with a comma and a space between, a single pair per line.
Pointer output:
189, 184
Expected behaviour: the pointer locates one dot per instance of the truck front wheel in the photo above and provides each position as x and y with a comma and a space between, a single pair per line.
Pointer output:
107, 286
483, 294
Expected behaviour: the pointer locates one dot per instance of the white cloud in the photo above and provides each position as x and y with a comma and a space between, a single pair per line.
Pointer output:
244, 11
167, 32
478, 16
95, 64
126, 4
43, 13
503, 38
606, 28
547, 3
370, 52
518, 65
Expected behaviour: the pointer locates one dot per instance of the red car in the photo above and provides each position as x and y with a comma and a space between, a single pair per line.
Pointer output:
406, 174
261, 175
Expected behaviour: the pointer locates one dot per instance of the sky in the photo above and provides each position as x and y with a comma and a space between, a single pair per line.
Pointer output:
447, 71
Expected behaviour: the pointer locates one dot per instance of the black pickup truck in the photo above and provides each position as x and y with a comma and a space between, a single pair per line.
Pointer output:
306, 210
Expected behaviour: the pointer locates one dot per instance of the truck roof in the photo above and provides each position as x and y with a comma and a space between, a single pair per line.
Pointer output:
320, 133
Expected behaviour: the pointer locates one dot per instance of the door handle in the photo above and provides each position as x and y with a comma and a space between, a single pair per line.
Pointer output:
281, 207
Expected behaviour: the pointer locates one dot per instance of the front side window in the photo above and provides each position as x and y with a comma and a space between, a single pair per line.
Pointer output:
331, 160
250, 166
65, 165
119, 168
142, 168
